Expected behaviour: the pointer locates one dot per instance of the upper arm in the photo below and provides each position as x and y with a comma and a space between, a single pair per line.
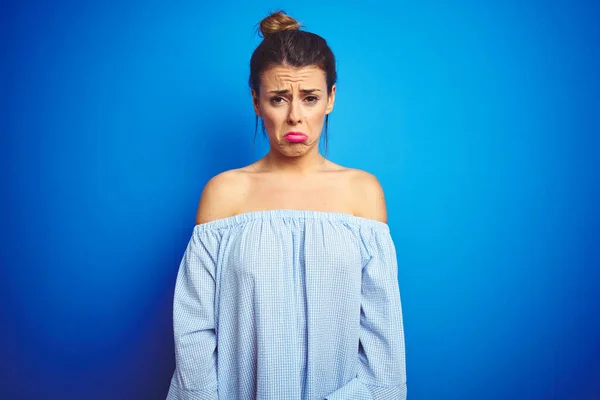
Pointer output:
370, 199
220, 197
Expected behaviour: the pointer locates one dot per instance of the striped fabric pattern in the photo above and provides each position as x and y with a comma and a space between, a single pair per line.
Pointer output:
289, 304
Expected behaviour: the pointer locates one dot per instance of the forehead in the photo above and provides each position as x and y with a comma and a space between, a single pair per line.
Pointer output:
282, 77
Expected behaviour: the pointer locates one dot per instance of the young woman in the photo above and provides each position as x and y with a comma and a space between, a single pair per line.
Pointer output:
288, 287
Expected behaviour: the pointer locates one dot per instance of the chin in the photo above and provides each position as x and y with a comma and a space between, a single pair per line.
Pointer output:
296, 150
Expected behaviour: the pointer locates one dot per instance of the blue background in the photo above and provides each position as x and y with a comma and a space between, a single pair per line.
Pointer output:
481, 121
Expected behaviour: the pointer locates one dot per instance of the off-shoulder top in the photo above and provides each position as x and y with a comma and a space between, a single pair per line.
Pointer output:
288, 304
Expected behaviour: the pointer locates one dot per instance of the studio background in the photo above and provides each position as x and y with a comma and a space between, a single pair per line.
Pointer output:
480, 119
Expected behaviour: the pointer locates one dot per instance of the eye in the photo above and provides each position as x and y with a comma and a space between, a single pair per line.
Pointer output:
312, 99
277, 100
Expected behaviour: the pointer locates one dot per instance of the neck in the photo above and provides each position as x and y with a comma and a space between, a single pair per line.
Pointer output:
305, 164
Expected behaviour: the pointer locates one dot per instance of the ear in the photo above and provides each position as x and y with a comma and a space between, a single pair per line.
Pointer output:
330, 100
255, 102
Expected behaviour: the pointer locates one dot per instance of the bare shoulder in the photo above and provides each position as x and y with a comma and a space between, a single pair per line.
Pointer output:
369, 199
221, 196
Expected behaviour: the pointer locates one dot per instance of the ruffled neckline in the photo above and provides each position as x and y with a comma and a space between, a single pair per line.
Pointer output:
239, 219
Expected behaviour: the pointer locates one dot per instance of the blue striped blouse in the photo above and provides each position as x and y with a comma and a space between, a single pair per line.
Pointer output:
288, 304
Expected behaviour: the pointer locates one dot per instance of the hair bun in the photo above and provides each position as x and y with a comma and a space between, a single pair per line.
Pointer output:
276, 22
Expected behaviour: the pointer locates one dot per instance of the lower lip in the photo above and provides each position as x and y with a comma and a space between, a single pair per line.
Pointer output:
296, 138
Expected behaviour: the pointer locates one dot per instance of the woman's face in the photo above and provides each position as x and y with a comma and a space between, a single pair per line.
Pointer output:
293, 103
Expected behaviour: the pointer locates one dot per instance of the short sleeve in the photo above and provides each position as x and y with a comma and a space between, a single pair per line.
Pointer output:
382, 364
195, 376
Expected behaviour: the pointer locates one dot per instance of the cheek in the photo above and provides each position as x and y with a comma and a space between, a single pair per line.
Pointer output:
274, 113
273, 117
317, 114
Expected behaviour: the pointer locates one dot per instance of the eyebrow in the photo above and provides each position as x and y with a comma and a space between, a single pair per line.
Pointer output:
286, 91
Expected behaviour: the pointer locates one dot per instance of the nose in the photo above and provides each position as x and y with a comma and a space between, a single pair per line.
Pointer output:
294, 116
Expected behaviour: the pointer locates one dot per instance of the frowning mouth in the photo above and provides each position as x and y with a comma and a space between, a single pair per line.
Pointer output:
295, 137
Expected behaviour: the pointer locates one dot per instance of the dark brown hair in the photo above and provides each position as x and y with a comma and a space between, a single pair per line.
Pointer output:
285, 44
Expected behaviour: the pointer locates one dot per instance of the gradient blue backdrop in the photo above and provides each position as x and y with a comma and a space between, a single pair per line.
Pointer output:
481, 121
